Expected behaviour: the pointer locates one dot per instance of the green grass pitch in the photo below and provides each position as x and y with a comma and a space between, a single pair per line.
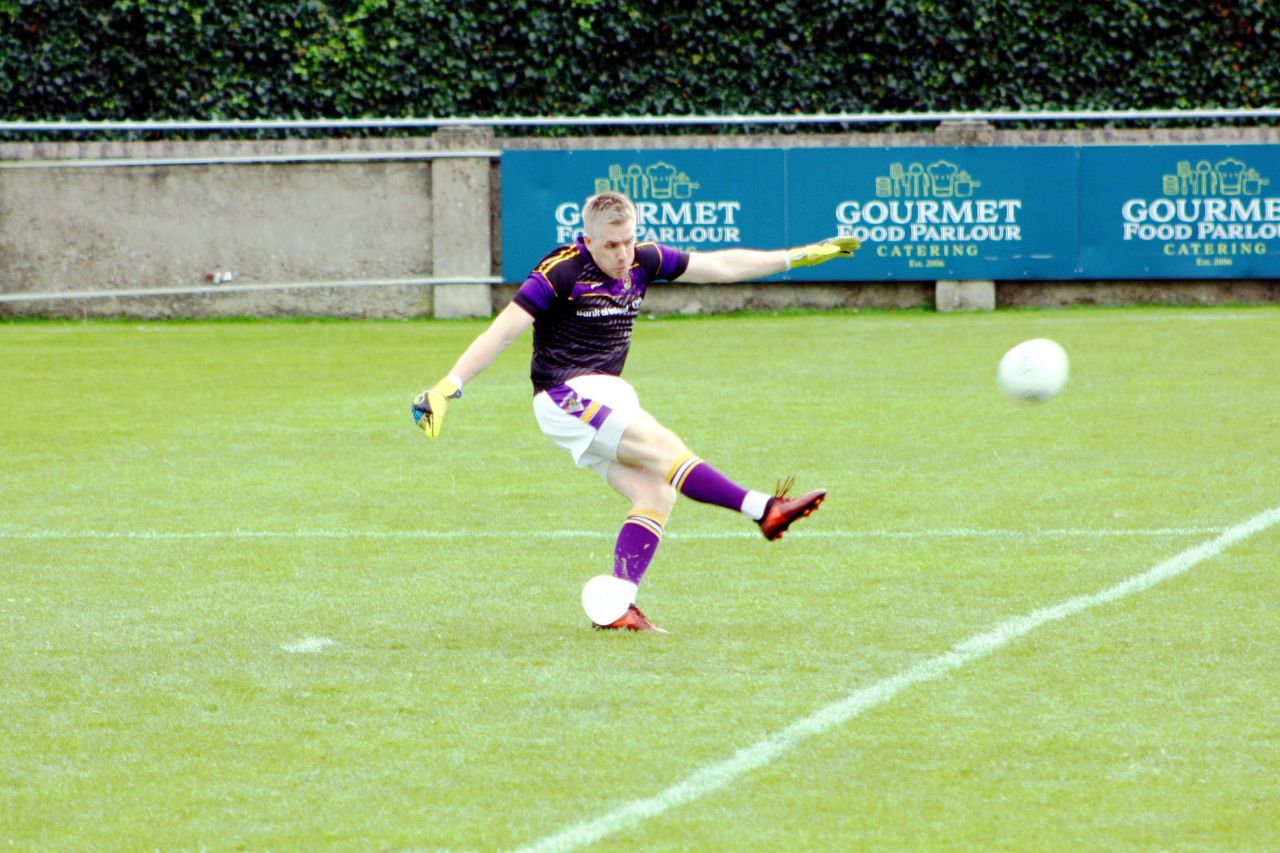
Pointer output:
245, 605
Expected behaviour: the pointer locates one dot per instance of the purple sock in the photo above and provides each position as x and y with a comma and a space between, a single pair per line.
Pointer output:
637, 541
695, 479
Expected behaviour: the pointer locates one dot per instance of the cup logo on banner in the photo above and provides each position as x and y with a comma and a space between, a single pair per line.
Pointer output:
666, 209
1211, 212
925, 213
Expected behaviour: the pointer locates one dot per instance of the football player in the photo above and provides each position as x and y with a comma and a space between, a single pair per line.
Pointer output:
582, 301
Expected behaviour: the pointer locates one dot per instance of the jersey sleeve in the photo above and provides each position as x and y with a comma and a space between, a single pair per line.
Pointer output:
536, 295
662, 263
550, 280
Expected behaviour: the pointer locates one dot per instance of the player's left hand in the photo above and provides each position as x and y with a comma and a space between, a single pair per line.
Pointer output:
430, 406
820, 253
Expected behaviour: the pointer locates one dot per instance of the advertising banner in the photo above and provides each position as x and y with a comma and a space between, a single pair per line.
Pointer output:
1193, 211
691, 199
1009, 213
930, 213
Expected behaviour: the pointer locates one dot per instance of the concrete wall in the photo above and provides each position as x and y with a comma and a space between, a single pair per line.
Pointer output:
97, 228
70, 225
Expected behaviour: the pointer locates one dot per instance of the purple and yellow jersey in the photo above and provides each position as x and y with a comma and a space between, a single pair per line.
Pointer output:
582, 319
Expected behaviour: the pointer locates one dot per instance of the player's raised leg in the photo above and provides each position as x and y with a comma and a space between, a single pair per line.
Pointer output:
654, 448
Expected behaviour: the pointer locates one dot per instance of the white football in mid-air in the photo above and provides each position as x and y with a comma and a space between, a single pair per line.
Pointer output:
606, 598
1034, 370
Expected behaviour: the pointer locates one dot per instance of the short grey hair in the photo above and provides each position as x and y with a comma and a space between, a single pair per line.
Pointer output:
608, 208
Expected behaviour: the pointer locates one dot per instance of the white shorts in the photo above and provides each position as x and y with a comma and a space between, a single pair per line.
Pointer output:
587, 417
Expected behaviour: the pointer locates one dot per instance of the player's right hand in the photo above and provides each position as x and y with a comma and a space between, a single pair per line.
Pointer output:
430, 406
820, 253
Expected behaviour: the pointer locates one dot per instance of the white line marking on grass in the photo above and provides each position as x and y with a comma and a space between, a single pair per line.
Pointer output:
307, 645
938, 533
713, 777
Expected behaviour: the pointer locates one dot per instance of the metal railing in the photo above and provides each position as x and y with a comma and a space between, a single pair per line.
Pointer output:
996, 116
246, 159
205, 290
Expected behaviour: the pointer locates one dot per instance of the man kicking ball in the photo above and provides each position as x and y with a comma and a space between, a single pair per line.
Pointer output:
582, 301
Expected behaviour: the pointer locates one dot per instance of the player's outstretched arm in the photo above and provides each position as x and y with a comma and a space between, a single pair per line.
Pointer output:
430, 406
728, 265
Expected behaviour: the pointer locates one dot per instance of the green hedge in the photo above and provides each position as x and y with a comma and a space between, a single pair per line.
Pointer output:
137, 59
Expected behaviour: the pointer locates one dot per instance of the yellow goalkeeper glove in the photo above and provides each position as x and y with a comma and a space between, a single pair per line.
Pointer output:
430, 406
820, 253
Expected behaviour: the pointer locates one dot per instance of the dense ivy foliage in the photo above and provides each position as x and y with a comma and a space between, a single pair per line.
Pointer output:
138, 59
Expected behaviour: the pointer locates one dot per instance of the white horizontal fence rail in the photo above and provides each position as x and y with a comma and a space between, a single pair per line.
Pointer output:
255, 159
1001, 116
202, 290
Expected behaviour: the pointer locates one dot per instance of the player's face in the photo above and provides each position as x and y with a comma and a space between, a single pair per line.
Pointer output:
613, 248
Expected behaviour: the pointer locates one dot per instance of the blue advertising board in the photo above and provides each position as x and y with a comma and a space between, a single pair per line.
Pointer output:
1052, 212
1185, 211
929, 213
691, 199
